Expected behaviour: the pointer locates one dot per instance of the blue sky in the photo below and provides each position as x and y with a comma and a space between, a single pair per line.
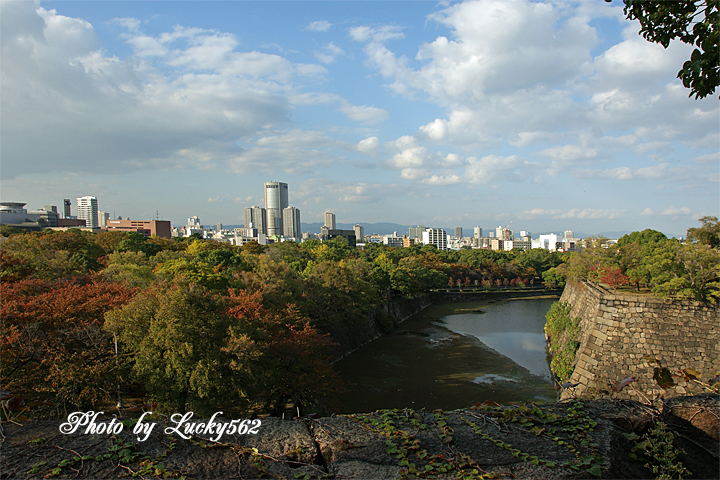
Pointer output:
552, 115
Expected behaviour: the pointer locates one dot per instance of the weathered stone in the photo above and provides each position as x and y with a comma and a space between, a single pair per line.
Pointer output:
355, 448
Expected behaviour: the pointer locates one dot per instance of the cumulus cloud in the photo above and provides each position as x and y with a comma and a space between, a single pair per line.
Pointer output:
209, 96
370, 146
494, 167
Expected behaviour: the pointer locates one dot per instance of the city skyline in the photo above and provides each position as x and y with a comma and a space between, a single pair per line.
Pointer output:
557, 116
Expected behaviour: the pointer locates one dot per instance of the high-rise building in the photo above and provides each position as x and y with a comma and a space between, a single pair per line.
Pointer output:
66, 205
103, 218
478, 232
255, 218
458, 232
417, 232
87, 209
291, 222
435, 236
568, 234
359, 233
330, 220
276, 200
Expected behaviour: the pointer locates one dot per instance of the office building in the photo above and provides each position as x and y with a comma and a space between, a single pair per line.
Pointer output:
254, 217
149, 228
66, 206
103, 217
276, 200
329, 234
393, 240
477, 232
458, 232
417, 232
330, 220
87, 209
291, 222
359, 233
435, 236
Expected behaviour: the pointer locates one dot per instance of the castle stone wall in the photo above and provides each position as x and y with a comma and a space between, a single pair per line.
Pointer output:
622, 334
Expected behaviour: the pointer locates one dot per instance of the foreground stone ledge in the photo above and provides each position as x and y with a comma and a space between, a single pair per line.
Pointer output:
361, 446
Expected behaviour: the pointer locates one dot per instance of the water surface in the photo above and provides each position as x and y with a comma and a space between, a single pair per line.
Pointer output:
425, 364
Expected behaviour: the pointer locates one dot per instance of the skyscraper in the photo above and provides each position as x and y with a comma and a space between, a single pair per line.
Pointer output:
330, 220
291, 222
359, 233
276, 200
88, 210
458, 232
66, 207
478, 232
255, 216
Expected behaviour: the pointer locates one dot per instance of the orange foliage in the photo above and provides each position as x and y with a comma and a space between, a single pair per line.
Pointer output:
52, 340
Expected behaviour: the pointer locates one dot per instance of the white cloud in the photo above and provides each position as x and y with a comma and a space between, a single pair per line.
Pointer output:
58, 85
676, 211
648, 212
593, 213
370, 146
451, 179
364, 113
294, 152
319, 26
494, 167
376, 34
329, 53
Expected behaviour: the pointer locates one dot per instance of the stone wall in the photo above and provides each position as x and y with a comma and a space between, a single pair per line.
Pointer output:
621, 334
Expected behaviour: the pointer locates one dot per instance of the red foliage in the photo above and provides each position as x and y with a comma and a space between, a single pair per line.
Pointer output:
613, 276
52, 340
293, 360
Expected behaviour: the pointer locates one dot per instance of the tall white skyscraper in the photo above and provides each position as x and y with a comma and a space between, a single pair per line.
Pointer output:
87, 209
330, 220
291, 222
478, 232
276, 200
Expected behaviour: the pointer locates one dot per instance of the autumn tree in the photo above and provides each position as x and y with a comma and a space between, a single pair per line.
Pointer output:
277, 355
53, 345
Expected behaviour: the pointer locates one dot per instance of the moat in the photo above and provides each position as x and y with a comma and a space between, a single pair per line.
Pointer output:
452, 356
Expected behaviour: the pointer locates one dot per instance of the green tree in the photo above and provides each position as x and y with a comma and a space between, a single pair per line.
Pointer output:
707, 234
693, 22
174, 335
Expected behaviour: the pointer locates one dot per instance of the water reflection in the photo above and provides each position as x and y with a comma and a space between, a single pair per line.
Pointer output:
513, 329
424, 364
